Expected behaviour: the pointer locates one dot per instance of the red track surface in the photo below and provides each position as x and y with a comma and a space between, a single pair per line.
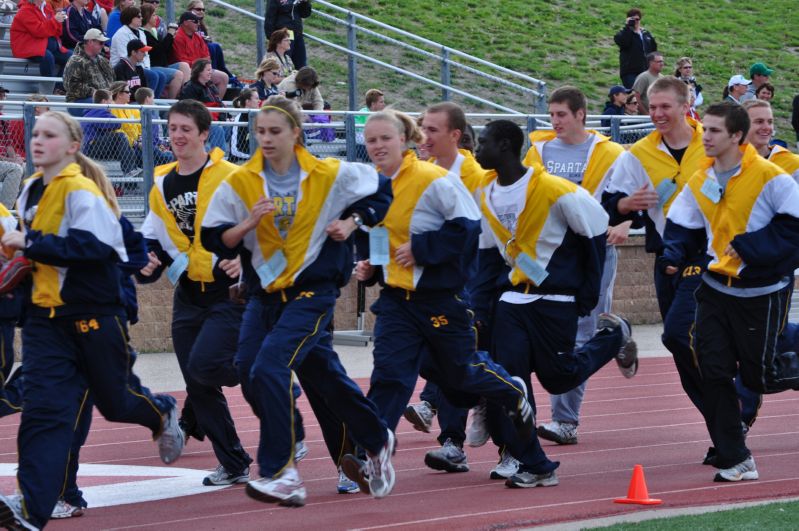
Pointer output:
647, 420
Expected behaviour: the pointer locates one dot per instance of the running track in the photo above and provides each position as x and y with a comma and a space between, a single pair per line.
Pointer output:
647, 420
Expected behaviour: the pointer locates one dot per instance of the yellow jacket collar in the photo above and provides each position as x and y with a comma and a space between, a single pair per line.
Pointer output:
747, 150
305, 159
70, 170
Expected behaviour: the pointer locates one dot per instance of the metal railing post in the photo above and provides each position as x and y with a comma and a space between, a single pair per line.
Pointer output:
445, 73
28, 117
349, 132
542, 106
532, 124
147, 159
352, 63
251, 125
260, 10
615, 129
170, 11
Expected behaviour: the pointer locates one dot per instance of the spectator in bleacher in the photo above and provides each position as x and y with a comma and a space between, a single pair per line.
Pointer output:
268, 76
214, 48
278, 47
760, 74
289, 14
201, 88
157, 78
104, 140
79, 21
120, 94
631, 106
736, 89
114, 18
36, 36
160, 25
189, 47
161, 38
87, 70
617, 98
303, 87
765, 92
645, 79
685, 72
100, 9
240, 138
375, 101
634, 43
162, 154
129, 68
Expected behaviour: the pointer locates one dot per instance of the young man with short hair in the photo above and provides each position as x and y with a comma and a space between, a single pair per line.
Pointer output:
552, 276
642, 188
587, 159
743, 211
130, 68
645, 80
443, 125
761, 131
205, 321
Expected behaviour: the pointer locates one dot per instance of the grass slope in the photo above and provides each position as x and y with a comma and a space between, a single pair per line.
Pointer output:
558, 41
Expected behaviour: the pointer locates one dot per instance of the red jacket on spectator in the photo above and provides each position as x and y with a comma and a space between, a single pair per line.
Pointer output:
31, 28
189, 49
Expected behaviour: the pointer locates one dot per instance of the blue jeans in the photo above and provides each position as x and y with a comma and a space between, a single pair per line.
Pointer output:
52, 56
155, 80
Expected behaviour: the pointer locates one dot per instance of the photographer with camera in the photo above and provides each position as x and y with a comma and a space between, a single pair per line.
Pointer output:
634, 44
302, 86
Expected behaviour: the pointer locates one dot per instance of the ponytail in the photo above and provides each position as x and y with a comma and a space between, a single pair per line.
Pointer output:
95, 173
405, 125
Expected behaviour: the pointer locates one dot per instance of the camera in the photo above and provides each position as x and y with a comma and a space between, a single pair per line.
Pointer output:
631, 23
295, 93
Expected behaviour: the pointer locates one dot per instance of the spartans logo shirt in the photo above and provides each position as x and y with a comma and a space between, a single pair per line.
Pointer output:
283, 192
180, 194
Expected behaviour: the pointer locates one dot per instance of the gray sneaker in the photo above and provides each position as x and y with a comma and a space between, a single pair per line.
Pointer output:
11, 514
63, 509
449, 458
477, 431
559, 432
507, 466
171, 441
420, 416
287, 489
743, 471
524, 480
221, 476
627, 358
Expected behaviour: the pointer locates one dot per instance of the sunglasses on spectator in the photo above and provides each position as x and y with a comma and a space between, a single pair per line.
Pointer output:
151, 2
633, 102
124, 92
198, 9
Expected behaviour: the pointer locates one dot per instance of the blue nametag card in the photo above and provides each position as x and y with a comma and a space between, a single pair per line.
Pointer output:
272, 269
531, 268
711, 190
665, 190
378, 246
179, 265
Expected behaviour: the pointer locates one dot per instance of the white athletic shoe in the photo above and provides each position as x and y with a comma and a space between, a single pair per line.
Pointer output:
559, 432
743, 471
420, 416
507, 466
300, 451
11, 514
379, 471
477, 430
287, 489
221, 476
63, 509
171, 441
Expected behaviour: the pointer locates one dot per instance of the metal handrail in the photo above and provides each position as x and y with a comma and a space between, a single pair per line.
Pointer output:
538, 93
428, 41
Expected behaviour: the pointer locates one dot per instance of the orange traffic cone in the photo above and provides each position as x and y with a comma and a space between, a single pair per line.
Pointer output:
638, 493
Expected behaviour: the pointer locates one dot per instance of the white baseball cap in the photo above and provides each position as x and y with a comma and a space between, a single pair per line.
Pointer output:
94, 35
738, 80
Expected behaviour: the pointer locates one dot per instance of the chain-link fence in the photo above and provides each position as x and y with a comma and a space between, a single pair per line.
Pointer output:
12, 155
